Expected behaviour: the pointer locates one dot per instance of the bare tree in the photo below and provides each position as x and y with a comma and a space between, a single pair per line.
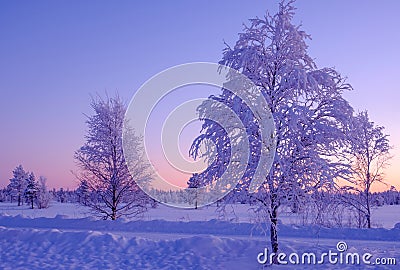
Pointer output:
103, 166
370, 156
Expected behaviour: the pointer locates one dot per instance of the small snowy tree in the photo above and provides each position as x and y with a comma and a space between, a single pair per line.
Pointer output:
83, 192
31, 190
103, 165
193, 184
61, 196
43, 196
3, 195
17, 184
370, 155
309, 111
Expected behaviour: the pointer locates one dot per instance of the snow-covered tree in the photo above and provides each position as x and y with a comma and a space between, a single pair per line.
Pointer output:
83, 192
309, 111
103, 165
61, 196
370, 155
43, 196
4, 194
32, 189
17, 184
193, 184
391, 196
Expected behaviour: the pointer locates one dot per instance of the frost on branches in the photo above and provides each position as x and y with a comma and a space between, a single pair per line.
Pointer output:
104, 173
24, 185
369, 155
43, 196
311, 116
18, 183
32, 189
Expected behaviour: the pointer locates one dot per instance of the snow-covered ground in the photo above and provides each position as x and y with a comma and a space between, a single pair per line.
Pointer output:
382, 217
64, 237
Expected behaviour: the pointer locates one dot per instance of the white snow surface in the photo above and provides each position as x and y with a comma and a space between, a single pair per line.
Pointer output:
65, 237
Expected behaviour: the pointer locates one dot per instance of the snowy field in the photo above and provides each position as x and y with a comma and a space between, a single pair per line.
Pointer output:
65, 237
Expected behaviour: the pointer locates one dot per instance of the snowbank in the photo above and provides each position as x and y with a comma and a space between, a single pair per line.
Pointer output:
211, 227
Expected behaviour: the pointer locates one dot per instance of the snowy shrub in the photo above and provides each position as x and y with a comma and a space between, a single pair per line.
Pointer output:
43, 196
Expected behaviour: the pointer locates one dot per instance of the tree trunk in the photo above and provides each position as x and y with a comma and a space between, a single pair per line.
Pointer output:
32, 203
274, 226
368, 216
274, 232
19, 200
195, 202
114, 204
368, 200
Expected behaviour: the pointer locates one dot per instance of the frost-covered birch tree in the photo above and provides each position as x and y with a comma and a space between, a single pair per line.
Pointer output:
103, 166
369, 155
310, 114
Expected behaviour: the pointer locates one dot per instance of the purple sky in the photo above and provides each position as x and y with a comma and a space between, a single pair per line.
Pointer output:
53, 55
